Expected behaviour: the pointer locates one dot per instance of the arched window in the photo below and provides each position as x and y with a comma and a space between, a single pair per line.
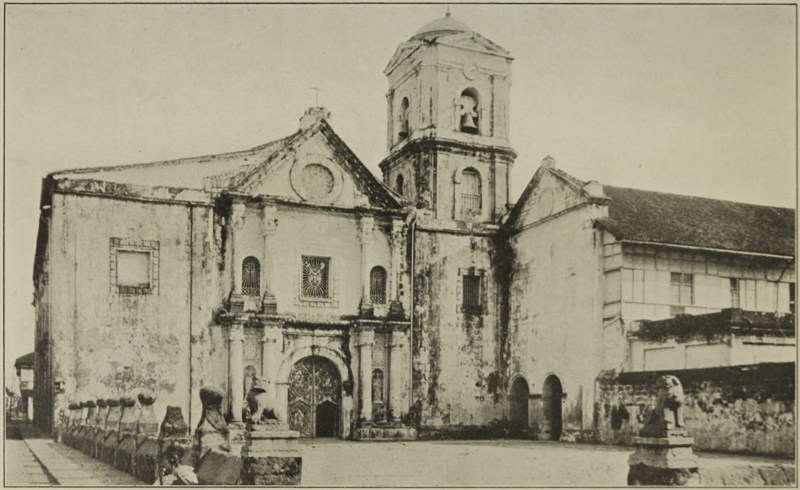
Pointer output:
404, 126
377, 285
470, 193
251, 277
398, 184
468, 112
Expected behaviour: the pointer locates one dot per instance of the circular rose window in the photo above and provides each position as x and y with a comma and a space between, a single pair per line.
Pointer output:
316, 181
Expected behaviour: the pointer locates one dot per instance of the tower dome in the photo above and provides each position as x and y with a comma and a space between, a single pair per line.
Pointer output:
443, 25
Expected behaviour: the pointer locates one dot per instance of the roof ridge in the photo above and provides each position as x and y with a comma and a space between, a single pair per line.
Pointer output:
605, 186
164, 163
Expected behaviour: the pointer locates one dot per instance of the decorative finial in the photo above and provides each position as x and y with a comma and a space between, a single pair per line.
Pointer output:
448, 12
317, 90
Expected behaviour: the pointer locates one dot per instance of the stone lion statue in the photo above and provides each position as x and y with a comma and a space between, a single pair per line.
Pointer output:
260, 403
666, 418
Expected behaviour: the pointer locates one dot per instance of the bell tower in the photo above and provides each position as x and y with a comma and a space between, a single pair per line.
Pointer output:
447, 128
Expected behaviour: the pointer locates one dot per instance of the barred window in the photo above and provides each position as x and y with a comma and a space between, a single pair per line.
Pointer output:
377, 285
734, 293
470, 193
251, 277
682, 286
316, 277
472, 291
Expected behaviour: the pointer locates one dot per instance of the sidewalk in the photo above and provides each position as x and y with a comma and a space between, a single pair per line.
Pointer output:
65, 465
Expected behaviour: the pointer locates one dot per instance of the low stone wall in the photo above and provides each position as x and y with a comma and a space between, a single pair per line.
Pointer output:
741, 409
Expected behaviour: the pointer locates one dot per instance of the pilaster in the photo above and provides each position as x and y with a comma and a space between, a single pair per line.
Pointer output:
366, 236
365, 340
270, 222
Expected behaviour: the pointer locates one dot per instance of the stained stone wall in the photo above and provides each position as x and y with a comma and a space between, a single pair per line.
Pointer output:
741, 409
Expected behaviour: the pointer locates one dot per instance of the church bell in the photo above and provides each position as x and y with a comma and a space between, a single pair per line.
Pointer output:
468, 124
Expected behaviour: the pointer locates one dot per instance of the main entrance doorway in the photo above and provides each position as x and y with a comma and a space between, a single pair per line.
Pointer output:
315, 391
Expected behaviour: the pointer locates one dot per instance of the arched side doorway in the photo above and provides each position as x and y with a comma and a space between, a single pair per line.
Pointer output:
518, 405
552, 393
315, 392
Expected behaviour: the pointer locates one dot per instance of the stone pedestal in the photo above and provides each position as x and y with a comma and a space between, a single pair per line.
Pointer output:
663, 461
271, 456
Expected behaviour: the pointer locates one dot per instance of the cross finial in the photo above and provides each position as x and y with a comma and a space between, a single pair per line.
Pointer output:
317, 90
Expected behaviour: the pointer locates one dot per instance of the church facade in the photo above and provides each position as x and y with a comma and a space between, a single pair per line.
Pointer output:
425, 301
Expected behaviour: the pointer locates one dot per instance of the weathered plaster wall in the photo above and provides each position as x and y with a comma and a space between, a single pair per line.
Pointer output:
456, 369
312, 232
555, 298
107, 344
743, 409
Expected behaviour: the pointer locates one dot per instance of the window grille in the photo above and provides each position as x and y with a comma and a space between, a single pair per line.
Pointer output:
472, 292
682, 286
470, 193
251, 277
316, 277
377, 285
734, 293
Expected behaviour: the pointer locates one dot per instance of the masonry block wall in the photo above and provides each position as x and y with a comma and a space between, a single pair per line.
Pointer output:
112, 339
742, 409
456, 364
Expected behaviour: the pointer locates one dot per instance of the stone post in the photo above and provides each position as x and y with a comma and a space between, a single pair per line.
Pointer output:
663, 454
366, 338
128, 416
123, 455
146, 456
366, 235
236, 372
212, 432
87, 436
110, 436
174, 446
147, 423
270, 222
99, 435
271, 456
396, 369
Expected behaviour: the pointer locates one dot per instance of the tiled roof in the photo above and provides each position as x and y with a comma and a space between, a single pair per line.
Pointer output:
25, 361
656, 217
186, 173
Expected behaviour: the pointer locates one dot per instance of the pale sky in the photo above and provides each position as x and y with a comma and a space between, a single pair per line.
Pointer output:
696, 100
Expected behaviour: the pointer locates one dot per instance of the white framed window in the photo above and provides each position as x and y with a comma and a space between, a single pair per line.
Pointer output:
470, 193
134, 266
735, 299
682, 288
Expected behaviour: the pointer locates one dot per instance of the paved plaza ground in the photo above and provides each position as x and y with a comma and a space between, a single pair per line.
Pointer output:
37, 460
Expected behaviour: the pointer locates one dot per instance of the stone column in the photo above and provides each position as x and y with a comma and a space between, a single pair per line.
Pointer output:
269, 260
366, 226
396, 370
237, 224
236, 371
366, 338
271, 346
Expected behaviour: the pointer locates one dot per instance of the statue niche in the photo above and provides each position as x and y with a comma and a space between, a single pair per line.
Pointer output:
666, 418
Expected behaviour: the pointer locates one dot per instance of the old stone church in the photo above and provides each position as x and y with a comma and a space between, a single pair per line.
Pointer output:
424, 301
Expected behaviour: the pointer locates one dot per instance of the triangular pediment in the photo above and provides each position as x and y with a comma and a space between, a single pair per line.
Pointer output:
316, 167
473, 42
549, 193
403, 51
